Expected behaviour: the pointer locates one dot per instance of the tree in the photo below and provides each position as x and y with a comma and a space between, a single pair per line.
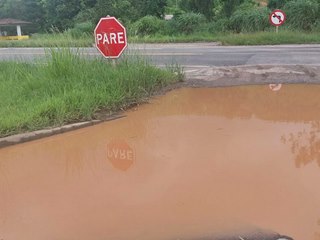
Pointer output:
276, 4
204, 7
130, 10
230, 6
302, 14
28, 10
152, 7
87, 12
60, 13
34, 12
88, 3
122, 9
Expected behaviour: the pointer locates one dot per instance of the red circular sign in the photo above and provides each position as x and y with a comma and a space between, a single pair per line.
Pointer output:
110, 37
277, 17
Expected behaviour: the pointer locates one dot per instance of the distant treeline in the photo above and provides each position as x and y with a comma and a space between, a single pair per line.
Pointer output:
146, 17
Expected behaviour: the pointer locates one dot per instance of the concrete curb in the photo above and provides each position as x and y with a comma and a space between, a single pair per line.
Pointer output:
30, 136
25, 137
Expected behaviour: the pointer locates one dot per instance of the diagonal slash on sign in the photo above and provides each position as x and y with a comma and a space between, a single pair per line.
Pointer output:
277, 16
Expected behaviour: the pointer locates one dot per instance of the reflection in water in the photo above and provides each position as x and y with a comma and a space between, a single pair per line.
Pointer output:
75, 163
120, 154
305, 144
275, 87
317, 234
196, 162
4, 192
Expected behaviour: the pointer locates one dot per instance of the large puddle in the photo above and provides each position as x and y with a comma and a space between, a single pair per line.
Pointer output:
194, 163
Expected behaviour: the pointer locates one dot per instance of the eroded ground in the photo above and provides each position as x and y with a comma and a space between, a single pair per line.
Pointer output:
194, 163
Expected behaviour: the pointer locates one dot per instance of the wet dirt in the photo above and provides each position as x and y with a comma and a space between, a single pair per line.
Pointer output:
194, 163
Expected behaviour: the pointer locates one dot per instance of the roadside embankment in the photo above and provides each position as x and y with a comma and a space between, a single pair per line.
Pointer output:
66, 88
251, 74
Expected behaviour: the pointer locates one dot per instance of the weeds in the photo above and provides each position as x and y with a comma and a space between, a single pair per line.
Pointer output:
65, 39
285, 36
68, 88
270, 38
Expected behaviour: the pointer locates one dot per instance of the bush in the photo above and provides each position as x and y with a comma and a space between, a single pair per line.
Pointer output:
302, 14
82, 30
229, 6
85, 15
276, 4
316, 26
221, 25
189, 22
250, 20
148, 25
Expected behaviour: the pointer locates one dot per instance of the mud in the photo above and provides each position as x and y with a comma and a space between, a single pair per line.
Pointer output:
207, 76
193, 164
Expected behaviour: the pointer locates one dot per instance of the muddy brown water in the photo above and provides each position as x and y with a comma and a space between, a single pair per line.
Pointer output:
193, 163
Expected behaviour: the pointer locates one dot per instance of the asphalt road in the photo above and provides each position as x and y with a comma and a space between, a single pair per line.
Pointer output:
198, 54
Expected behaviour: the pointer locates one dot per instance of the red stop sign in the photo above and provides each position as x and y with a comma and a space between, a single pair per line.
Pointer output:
110, 37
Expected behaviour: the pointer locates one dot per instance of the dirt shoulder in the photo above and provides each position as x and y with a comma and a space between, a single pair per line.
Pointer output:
250, 75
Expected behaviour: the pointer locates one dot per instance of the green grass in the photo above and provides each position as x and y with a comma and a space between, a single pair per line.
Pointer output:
270, 38
52, 40
259, 38
197, 37
68, 88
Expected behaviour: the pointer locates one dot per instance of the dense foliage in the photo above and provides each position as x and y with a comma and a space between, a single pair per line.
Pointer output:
302, 14
146, 17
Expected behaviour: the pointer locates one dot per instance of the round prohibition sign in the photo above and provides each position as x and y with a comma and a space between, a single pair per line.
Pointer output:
277, 17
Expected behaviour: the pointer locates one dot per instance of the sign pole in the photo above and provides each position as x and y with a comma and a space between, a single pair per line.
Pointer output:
277, 29
113, 60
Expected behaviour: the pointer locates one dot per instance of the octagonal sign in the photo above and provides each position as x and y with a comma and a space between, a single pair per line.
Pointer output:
110, 37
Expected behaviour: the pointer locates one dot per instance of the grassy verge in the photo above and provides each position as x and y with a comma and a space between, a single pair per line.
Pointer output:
69, 88
197, 37
258, 38
52, 40
270, 38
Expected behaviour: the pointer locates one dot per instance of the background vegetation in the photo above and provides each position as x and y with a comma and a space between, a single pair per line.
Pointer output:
146, 17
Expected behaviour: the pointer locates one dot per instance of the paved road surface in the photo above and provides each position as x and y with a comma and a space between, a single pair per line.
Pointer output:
200, 54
